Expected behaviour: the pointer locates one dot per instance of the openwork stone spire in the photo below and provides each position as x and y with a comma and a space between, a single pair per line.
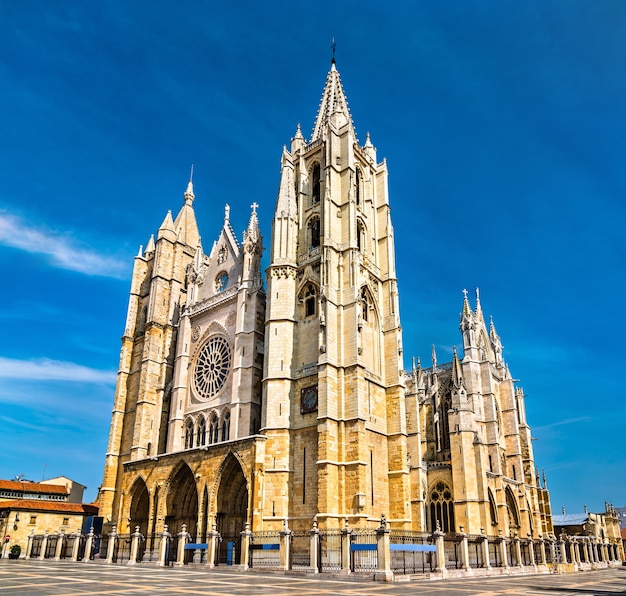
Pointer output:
334, 105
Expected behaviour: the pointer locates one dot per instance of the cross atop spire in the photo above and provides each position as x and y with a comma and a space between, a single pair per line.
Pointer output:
333, 46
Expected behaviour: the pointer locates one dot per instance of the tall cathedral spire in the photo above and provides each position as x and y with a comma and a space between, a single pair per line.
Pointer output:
333, 106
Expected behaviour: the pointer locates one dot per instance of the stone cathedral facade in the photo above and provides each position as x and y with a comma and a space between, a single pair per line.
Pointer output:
243, 401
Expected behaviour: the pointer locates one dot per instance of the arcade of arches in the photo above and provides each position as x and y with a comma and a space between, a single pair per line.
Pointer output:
196, 494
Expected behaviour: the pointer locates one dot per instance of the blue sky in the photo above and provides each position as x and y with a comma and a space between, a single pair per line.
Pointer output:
504, 127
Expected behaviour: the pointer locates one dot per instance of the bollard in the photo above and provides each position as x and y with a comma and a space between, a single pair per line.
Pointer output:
383, 570
314, 554
486, 561
59, 549
134, 546
464, 549
111, 544
183, 538
88, 546
44, 545
246, 538
503, 553
285, 547
346, 535
29, 546
213, 541
164, 547
75, 546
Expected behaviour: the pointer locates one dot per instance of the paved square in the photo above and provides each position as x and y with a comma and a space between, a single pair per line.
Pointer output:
34, 578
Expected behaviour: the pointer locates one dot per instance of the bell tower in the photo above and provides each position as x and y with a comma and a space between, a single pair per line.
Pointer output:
333, 389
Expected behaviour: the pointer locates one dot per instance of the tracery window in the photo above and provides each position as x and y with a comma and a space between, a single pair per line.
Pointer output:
212, 367
189, 434
213, 430
201, 433
441, 508
358, 186
226, 427
315, 184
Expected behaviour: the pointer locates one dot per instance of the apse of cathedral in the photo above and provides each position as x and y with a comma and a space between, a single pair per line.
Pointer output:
243, 403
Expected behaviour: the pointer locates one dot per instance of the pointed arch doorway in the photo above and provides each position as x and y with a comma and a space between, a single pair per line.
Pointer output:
231, 508
182, 503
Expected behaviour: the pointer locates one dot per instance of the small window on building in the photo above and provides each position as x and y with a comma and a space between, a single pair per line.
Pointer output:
226, 427
66, 521
314, 232
189, 434
315, 184
33, 520
309, 301
358, 186
213, 430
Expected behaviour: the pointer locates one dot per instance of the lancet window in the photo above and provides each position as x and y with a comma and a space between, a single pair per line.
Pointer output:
214, 429
189, 434
310, 299
226, 427
315, 184
314, 233
201, 432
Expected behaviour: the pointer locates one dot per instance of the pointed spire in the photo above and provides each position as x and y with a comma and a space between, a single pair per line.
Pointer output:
457, 375
434, 358
298, 141
140, 253
479, 309
252, 233
167, 226
150, 245
286, 201
185, 225
333, 105
189, 196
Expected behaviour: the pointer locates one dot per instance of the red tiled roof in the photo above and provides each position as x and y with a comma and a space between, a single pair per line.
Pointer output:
52, 506
623, 530
33, 487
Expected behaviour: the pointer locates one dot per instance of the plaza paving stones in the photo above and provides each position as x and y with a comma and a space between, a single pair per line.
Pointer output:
26, 578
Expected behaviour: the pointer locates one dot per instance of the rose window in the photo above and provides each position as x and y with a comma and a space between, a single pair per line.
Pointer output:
212, 367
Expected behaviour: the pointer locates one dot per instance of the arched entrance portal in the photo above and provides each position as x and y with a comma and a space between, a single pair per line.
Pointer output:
182, 503
231, 507
139, 507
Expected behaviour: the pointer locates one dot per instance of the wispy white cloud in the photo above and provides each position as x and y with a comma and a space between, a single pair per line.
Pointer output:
561, 423
64, 251
53, 370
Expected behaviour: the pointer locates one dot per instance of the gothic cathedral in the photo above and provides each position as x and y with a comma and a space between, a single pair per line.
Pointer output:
239, 403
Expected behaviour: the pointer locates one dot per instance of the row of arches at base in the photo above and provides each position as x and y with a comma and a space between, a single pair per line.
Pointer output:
182, 503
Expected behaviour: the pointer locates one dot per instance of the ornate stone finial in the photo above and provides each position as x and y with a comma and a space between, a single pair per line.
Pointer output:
333, 46
438, 526
226, 213
563, 510
464, 293
383, 521
434, 358
585, 509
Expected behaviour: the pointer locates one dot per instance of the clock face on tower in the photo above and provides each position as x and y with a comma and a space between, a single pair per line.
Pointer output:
308, 399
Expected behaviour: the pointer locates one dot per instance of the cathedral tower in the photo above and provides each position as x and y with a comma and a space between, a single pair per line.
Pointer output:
333, 386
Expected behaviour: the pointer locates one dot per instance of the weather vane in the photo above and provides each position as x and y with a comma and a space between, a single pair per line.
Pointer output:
333, 45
